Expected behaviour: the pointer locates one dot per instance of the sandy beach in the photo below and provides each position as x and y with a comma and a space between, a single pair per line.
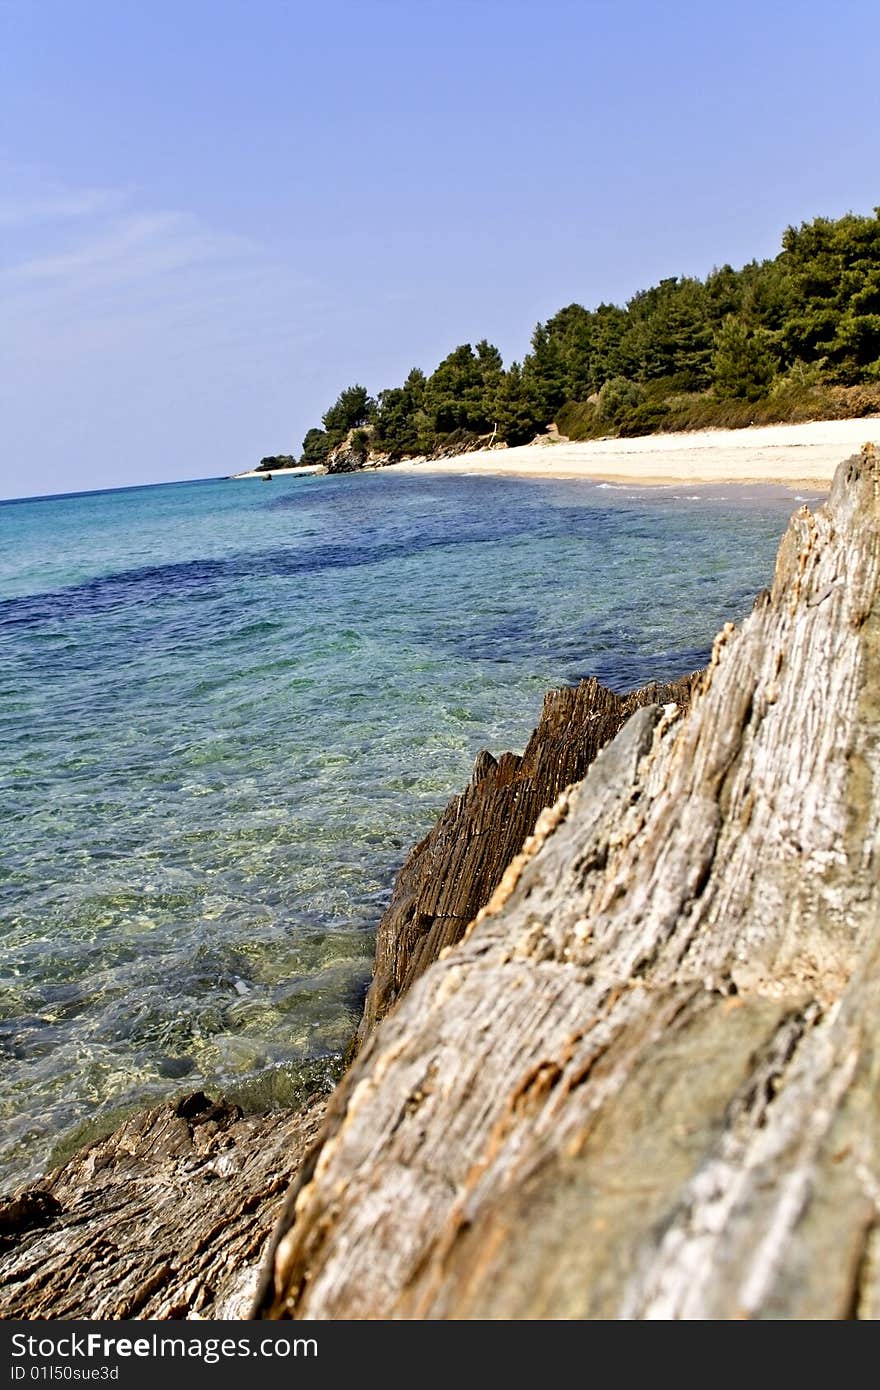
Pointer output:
793, 455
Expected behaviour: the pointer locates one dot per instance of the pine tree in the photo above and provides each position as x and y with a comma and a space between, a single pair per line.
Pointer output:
513, 410
353, 407
396, 423
572, 329
742, 363
316, 446
544, 375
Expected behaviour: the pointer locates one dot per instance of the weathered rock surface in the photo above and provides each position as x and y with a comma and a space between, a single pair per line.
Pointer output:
344, 460
168, 1217
645, 1084
351, 454
456, 868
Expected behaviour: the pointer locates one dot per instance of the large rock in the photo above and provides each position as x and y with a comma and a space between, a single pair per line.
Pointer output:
351, 454
645, 1083
168, 1217
455, 869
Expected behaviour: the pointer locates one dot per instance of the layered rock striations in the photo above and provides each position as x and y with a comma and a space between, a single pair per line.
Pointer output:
645, 1082
168, 1217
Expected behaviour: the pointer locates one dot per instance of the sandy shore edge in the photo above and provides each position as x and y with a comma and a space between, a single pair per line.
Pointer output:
795, 456
307, 470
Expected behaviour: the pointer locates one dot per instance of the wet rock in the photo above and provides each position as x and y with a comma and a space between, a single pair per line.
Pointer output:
174, 1066
34, 1207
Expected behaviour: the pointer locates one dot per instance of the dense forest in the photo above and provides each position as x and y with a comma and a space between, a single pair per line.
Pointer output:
795, 337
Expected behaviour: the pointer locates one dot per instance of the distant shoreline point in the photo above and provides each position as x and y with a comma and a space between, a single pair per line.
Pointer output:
307, 468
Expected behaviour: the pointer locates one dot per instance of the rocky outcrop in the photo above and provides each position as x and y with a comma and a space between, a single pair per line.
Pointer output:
551, 436
351, 454
455, 869
645, 1082
358, 449
168, 1217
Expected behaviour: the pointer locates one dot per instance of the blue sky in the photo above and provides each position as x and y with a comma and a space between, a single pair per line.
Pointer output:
214, 216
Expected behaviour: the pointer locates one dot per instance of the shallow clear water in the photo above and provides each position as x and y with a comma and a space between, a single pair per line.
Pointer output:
228, 709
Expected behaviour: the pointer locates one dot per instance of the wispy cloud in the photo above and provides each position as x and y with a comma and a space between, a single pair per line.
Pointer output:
55, 205
98, 241
148, 325
100, 269
129, 247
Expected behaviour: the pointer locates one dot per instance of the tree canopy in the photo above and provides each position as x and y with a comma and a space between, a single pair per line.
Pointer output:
809, 315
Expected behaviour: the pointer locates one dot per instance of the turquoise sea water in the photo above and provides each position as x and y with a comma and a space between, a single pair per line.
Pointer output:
228, 709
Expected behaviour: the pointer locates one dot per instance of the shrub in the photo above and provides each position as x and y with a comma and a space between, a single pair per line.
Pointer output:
616, 398
276, 461
577, 420
359, 443
647, 418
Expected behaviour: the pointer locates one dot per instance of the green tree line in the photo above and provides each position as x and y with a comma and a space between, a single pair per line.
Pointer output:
737, 345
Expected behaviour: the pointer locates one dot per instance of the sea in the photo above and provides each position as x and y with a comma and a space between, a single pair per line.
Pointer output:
229, 708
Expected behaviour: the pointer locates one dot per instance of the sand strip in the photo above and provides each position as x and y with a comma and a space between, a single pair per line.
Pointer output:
793, 455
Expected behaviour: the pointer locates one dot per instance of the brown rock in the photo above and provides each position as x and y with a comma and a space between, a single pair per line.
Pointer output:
168, 1217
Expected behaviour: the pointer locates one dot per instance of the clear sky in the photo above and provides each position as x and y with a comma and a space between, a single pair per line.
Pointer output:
215, 214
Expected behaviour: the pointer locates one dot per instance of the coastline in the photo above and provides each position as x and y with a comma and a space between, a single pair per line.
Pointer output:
627, 952
306, 468
162, 1163
790, 455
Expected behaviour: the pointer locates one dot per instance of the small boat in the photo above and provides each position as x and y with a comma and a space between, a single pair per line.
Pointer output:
267, 477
